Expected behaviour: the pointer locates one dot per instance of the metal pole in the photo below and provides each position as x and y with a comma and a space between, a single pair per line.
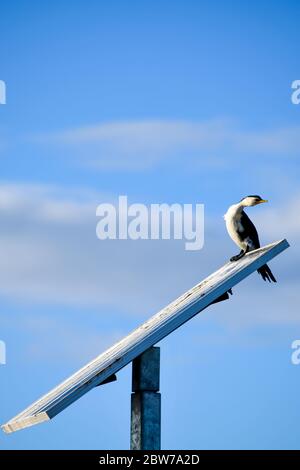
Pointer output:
146, 402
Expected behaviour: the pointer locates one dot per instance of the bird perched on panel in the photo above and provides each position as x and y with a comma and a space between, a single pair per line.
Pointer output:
243, 232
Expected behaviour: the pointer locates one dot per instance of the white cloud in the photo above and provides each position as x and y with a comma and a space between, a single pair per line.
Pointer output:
49, 253
52, 257
138, 145
282, 219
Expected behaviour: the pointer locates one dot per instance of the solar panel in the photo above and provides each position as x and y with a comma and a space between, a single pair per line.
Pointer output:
146, 335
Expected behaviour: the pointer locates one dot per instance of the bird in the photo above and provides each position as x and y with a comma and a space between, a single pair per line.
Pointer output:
243, 232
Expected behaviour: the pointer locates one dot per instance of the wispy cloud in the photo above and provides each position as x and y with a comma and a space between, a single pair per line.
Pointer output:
50, 253
53, 257
139, 145
282, 218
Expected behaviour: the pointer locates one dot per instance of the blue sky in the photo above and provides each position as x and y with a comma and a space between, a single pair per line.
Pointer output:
186, 102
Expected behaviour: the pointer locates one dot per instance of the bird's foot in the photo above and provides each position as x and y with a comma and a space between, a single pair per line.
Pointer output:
237, 257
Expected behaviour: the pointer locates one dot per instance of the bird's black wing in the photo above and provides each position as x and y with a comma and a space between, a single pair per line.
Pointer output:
250, 231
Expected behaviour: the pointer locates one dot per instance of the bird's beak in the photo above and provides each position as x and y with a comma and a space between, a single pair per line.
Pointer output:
263, 200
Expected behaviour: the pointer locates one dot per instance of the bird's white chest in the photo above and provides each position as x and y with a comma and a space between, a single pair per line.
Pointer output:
233, 225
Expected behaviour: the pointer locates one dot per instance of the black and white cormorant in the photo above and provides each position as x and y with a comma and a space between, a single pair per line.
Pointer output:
243, 232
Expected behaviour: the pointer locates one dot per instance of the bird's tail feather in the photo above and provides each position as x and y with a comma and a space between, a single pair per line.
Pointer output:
266, 273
